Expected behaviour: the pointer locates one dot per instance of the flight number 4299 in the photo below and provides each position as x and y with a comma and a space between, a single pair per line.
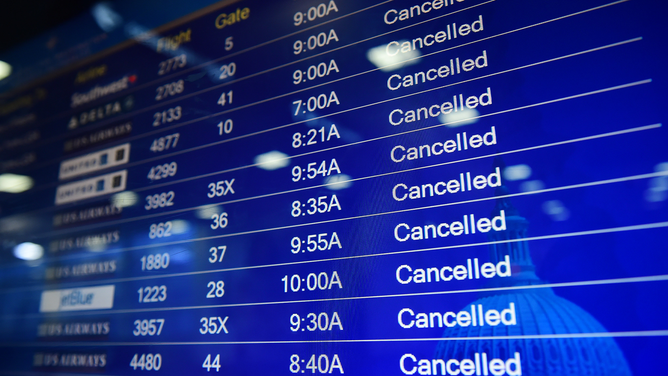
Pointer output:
162, 171
322, 204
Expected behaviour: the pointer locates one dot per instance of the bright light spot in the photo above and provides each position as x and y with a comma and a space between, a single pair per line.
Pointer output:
13, 183
97, 246
378, 57
180, 255
180, 226
517, 172
5, 70
337, 182
28, 251
556, 210
457, 119
661, 167
655, 196
205, 212
272, 160
12, 224
105, 17
124, 199
659, 184
531, 185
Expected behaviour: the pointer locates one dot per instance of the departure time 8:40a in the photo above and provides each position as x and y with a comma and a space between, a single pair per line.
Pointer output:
316, 364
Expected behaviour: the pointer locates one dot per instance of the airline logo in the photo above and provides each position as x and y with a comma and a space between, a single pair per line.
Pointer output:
93, 187
92, 162
78, 299
98, 92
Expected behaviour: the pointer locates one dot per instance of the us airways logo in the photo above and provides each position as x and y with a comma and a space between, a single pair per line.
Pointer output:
97, 91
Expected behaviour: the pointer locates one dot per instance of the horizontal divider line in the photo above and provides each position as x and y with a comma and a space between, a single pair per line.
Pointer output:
613, 281
625, 334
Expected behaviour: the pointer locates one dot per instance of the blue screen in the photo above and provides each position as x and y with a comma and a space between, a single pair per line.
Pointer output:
444, 187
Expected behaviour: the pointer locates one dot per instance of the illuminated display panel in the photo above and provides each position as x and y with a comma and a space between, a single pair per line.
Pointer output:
329, 187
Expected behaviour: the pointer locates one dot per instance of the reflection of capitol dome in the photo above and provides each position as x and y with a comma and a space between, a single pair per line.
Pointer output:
538, 312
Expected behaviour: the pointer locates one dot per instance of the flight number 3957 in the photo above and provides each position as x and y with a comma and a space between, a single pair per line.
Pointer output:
152, 327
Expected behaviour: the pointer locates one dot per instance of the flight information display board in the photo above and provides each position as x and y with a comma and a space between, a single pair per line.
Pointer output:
442, 187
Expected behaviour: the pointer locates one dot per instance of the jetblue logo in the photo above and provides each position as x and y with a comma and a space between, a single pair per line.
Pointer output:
75, 298
98, 297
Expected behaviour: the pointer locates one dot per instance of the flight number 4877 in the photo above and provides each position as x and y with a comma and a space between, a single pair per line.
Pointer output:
164, 143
